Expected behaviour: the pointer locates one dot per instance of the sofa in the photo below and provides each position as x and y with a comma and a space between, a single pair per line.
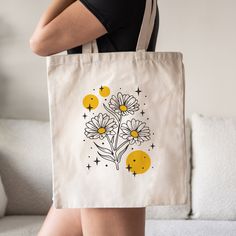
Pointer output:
25, 170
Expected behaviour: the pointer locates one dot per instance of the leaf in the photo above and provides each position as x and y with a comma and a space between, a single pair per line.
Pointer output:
106, 157
110, 111
112, 139
106, 150
122, 152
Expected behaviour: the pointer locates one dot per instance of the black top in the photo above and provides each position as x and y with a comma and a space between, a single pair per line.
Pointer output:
122, 20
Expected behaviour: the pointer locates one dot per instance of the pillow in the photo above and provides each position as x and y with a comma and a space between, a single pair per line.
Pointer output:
214, 168
3, 199
175, 211
25, 165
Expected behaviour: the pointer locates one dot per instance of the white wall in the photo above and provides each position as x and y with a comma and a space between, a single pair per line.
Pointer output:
204, 31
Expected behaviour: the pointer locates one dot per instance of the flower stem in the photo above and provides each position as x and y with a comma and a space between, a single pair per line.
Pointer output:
117, 134
109, 141
113, 152
121, 145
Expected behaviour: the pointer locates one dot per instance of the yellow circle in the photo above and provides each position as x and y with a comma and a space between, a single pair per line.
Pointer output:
138, 161
90, 101
104, 91
134, 133
101, 130
123, 108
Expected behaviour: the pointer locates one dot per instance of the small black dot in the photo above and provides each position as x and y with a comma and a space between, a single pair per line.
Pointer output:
148, 149
144, 104
91, 98
142, 167
91, 147
152, 167
134, 160
105, 99
120, 88
93, 89
144, 157
147, 118
106, 165
89, 156
145, 96
84, 140
132, 148
153, 133
102, 143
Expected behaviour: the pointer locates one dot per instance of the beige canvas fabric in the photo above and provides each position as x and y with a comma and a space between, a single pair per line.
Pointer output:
117, 126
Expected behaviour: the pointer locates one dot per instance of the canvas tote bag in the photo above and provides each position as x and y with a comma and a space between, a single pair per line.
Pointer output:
117, 126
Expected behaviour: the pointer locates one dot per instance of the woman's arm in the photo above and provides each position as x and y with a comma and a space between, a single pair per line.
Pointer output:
64, 25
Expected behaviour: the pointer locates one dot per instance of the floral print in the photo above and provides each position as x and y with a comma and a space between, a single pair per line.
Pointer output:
100, 126
124, 104
135, 131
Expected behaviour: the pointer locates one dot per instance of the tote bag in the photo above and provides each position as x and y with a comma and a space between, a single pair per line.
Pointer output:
117, 126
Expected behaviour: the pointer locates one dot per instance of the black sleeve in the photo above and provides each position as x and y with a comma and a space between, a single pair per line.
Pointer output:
113, 14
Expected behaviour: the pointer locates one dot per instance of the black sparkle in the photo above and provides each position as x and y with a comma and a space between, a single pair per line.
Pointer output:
152, 146
96, 160
138, 91
128, 167
134, 173
90, 107
101, 88
142, 112
84, 115
88, 166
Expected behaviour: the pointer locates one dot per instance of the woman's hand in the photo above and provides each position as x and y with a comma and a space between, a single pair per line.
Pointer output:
64, 25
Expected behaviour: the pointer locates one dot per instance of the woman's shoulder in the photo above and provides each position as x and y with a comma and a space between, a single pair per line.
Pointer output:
115, 14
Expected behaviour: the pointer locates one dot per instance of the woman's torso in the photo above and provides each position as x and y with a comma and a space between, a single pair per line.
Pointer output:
123, 20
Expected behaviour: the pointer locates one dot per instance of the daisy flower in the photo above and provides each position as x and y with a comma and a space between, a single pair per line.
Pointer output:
100, 126
135, 131
124, 104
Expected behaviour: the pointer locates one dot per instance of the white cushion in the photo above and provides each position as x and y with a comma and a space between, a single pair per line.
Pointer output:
3, 199
25, 165
175, 211
214, 167
190, 228
21, 225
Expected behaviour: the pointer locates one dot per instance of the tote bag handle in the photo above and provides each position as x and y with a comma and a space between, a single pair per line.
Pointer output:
144, 34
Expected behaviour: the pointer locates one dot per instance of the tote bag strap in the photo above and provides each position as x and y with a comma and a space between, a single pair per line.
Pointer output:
144, 34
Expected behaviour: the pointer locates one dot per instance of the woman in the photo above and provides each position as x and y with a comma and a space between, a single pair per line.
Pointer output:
66, 25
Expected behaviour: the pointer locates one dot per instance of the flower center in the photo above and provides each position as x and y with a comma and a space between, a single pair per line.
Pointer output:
123, 108
134, 133
101, 130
